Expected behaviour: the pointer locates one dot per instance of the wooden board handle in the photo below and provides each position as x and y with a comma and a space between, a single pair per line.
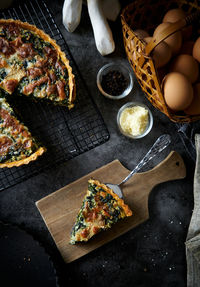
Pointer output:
171, 168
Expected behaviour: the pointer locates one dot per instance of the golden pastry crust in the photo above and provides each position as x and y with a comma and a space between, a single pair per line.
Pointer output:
32, 157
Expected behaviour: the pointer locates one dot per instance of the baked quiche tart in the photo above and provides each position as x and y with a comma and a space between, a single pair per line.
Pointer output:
101, 208
17, 146
32, 64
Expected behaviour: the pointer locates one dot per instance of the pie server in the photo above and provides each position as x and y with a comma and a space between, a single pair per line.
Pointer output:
160, 144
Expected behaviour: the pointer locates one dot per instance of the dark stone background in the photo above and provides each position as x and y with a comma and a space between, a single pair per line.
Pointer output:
153, 254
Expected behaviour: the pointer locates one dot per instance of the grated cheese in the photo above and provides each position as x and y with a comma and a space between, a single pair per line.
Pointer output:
134, 120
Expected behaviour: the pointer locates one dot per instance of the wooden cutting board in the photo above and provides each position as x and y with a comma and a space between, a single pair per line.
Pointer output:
59, 209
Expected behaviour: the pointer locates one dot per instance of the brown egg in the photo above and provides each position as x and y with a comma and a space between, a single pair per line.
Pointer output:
141, 34
194, 108
178, 91
174, 41
174, 15
196, 50
161, 53
186, 65
187, 48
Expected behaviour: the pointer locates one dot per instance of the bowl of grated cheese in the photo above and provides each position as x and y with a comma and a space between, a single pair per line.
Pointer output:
134, 120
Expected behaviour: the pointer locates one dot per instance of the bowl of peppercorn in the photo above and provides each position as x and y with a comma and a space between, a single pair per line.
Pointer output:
115, 81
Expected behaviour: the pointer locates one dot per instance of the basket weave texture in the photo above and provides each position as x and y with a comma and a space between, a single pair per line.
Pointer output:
147, 15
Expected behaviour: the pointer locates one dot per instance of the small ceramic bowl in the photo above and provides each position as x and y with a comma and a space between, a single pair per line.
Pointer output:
114, 68
148, 127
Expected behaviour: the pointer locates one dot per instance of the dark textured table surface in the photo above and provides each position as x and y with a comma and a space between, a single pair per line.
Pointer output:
153, 254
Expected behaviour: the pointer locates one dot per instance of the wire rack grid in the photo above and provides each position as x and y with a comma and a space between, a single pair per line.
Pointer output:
64, 133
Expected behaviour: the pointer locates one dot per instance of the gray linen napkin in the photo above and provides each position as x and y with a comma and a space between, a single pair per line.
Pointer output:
193, 236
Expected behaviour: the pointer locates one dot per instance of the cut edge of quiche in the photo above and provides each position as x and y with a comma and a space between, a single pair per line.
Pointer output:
17, 145
100, 209
47, 38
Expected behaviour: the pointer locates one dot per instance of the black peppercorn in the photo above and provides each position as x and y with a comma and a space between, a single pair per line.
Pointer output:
114, 83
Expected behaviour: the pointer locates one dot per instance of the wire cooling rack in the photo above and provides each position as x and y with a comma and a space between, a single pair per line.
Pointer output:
64, 133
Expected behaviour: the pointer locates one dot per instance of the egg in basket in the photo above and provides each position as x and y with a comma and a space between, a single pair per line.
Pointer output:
162, 44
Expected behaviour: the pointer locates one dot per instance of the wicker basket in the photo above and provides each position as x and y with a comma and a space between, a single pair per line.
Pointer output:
147, 15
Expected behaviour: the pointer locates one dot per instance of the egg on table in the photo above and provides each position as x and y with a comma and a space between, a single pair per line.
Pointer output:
194, 107
187, 65
174, 41
178, 91
161, 53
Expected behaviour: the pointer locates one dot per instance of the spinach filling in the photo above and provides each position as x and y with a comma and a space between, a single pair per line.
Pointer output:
91, 201
2, 32
108, 200
15, 62
114, 212
38, 43
79, 221
5, 33
29, 37
24, 82
3, 74
58, 73
15, 153
92, 188
25, 64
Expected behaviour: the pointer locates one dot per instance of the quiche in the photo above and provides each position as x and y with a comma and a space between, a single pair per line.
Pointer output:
101, 208
31, 65
17, 146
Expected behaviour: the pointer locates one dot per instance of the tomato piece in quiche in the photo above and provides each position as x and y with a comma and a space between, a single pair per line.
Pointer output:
32, 64
101, 208
17, 146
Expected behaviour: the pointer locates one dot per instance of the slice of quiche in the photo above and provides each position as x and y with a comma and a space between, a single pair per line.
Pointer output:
101, 208
32, 64
17, 146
